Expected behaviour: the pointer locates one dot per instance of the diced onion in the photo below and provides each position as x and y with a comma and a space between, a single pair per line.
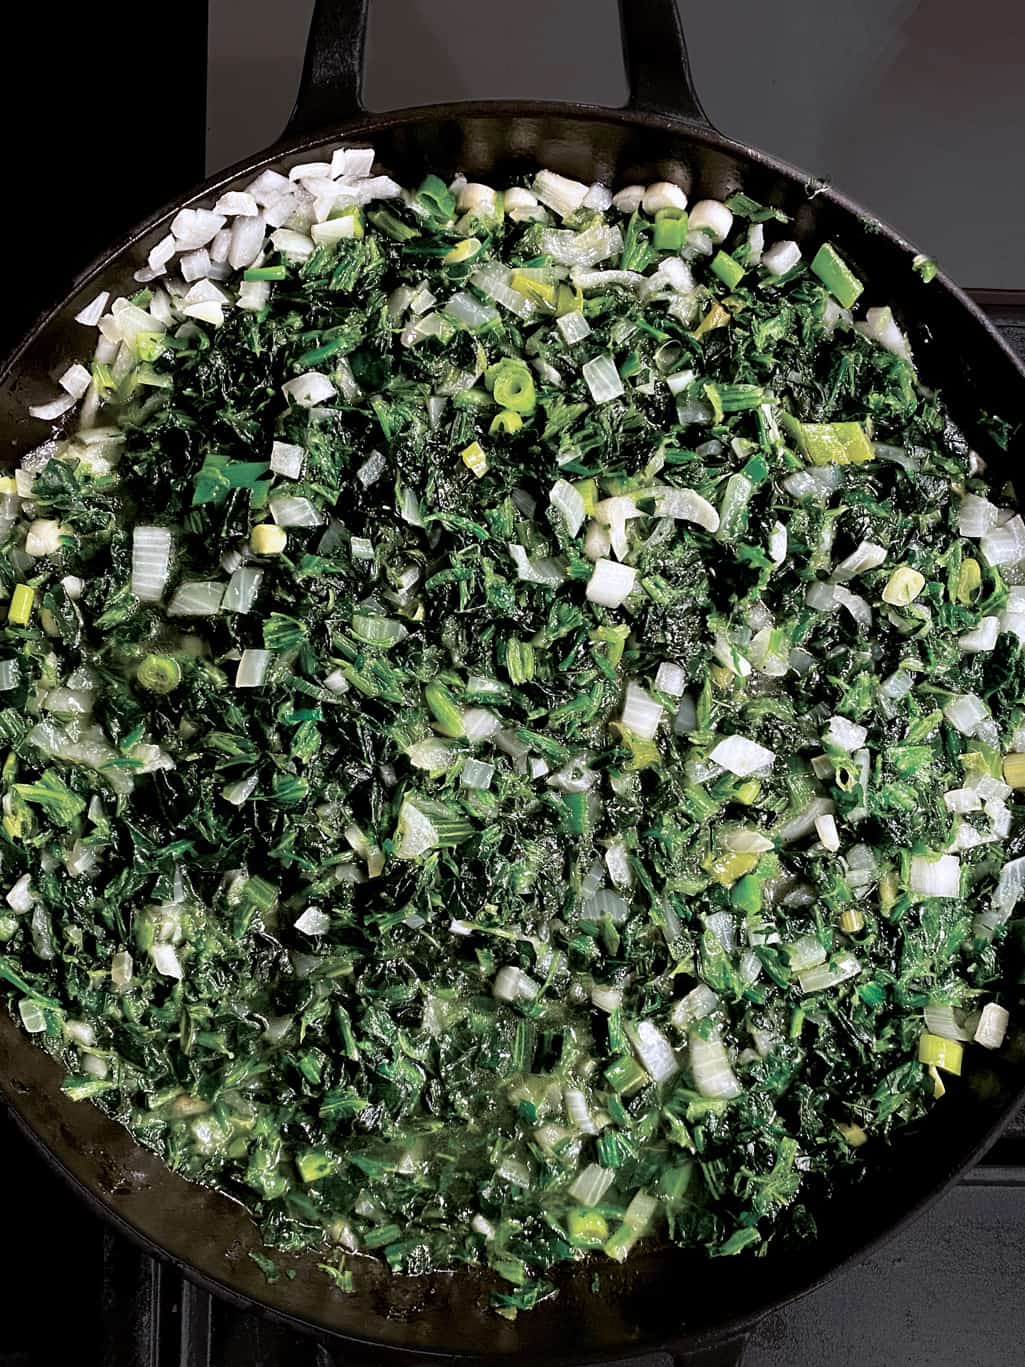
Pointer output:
686, 504
940, 1020
151, 562
570, 505
287, 460
670, 678
741, 756
828, 975
21, 898
196, 598
966, 713
641, 713
781, 257
313, 922
513, 985
243, 587
981, 638
710, 1065
976, 516
713, 217
936, 877
573, 326
252, 668
1004, 544
309, 390
603, 379
846, 735
577, 1111
562, 195
653, 1050
610, 584
868, 556
476, 774
591, 1184
165, 960
295, 512
992, 1026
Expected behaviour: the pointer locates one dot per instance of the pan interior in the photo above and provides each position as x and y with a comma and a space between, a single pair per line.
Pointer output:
656, 1297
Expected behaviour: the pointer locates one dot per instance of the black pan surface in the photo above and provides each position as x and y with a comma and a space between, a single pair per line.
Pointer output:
672, 1299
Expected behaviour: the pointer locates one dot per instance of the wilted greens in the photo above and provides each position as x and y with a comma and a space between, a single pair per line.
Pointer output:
511, 732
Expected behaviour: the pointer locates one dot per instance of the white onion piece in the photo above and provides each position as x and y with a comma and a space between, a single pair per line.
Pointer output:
602, 379
287, 459
846, 735
573, 326
781, 257
468, 311
710, 1065
743, 840
825, 827
92, 313
778, 542
1004, 544
562, 195
641, 713
976, 516
570, 505
610, 584
151, 562
828, 975
868, 556
536, 570
243, 586
591, 1184
47, 412
165, 960
699, 1002
653, 1050
577, 1112
712, 217
804, 823
992, 1026
20, 898
309, 389
741, 756
194, 228
981, 638
595, 244
940, 1020
607, 998
966, 713
880, 326
670, 679
939, 877
685, 504
252, 668
295, 512
476, 774
513, 985
196, 598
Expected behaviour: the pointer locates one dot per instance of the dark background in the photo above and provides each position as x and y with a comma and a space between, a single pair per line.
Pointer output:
916, 107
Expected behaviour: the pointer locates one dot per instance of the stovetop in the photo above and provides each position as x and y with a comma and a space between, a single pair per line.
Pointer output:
945, 1291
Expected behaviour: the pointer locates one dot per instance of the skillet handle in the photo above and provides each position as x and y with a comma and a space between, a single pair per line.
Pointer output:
657, 64
331, 88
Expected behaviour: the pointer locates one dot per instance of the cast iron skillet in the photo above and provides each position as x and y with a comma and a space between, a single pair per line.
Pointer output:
664, 1298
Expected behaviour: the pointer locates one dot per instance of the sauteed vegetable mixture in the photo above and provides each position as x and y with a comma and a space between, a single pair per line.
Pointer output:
512, 720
